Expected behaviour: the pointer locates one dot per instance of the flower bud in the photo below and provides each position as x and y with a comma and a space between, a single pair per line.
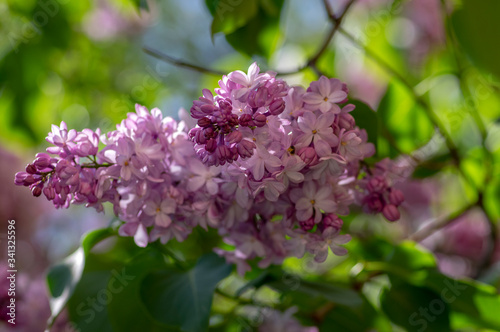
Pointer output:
346, 121
374, 202
307, 225
391, 212
258, 98
332, 220
308, 155
277, 107
204, 122
211, 145
245, 120
31, 169
37, 190
259, 120
396, 197
49, 192
377, 184
234, 137
245, 148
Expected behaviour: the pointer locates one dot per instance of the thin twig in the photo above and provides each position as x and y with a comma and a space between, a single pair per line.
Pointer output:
473, 110
439, 223
336, 21
179, 63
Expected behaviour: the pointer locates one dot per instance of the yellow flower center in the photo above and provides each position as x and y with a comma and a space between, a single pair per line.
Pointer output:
314, 131
326, 99
313, 201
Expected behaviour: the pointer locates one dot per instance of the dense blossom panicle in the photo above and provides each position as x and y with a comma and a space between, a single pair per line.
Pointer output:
269, 165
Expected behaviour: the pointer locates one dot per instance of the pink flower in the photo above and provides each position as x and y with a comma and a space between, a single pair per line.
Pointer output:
309, 201
160, 210
317, 130
262, 160
203, 177
330, 238
291, 171
324, 94
349, 146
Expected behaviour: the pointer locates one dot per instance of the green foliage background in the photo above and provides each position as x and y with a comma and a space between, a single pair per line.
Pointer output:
444, 110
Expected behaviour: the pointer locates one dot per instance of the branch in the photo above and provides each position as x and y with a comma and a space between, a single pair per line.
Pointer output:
440, 223
179, 63
337, 21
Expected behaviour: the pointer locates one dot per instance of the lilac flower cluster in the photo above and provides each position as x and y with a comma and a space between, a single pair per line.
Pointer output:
270, 166
379, 194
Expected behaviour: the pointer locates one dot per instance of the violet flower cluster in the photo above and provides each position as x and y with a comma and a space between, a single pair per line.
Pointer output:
271, 166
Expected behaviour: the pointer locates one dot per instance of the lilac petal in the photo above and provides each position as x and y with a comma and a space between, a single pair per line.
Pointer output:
141, 236
195, 183
163, 220
212, 187
342, 239
303, 203
339, 251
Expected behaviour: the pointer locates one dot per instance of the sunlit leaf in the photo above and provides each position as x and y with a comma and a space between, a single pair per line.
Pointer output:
406, 121
231, 15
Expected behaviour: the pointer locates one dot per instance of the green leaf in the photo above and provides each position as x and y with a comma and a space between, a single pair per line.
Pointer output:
126, 311
415, 308
184, 298
354, 319
476, 26
87, 307
404, 120
333, 293
366, 118
231, 15
63, 278
479, 302
264, 278
260, 36
141, 4
412, 256
432, 166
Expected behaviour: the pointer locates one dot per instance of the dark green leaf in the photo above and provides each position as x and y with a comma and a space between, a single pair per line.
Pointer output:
231, 15
264, 278
141, 4
330, 292
432, 166
354, 319
87, 307
184, 298
63, 278
366, 118
476, 26
126, 311
415, 308
479, 302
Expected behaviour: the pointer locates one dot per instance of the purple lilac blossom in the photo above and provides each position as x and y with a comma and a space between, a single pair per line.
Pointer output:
269, 165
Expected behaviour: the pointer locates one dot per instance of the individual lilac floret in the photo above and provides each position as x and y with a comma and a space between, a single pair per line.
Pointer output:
324, 95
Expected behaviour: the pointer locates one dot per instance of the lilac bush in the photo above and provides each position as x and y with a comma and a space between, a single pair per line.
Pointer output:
271, 166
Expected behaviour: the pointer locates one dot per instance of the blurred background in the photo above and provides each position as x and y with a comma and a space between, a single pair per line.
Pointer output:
83, 62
